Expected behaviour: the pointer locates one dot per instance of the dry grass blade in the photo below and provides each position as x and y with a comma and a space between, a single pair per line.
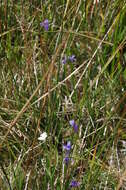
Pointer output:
109, 61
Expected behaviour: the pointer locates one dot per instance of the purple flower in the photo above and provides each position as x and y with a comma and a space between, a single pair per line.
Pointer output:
74, 125
72, 122
64, 60
66, 160
74, 183
45, 24
72, 58
67, 149
67, 157
67, 146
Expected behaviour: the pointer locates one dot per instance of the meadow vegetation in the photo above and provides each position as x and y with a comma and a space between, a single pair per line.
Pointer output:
62, 94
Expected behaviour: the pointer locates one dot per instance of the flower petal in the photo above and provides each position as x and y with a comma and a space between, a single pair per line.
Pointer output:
72, 122
45, 24
74, 183
68, 146
72, 58
43, 136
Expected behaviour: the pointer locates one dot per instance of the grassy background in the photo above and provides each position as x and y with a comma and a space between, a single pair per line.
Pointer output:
39, 94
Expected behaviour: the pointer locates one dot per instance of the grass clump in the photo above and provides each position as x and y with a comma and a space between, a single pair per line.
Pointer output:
62, 95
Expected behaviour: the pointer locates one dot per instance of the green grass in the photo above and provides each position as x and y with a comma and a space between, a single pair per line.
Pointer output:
40, 94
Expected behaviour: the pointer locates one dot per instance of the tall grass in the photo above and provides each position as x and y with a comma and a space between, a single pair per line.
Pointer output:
40, 93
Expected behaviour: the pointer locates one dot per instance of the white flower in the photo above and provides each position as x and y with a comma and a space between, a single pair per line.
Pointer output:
42, 137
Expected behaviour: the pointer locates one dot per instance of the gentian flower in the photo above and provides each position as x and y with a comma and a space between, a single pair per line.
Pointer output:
67, 149
74, 183
64, 60
67, 146
72, 58
45, 24
74, 125
67, 159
